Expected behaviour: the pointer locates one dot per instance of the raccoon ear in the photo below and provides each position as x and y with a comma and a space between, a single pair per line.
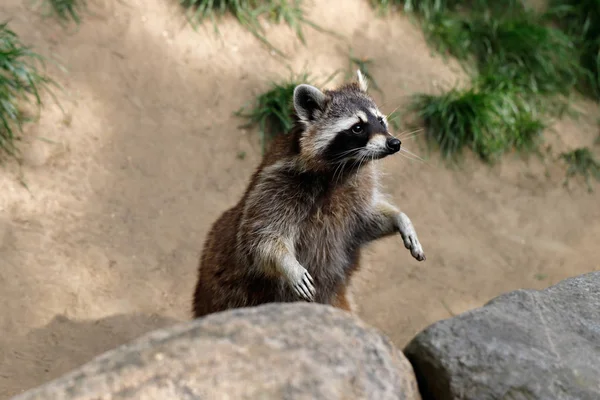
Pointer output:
362, 81
309, 102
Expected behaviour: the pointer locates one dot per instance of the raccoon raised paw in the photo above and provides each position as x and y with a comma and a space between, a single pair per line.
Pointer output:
305, 287
411, 242
409, 236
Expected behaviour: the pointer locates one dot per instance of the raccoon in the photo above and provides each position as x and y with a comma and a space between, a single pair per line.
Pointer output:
310, 206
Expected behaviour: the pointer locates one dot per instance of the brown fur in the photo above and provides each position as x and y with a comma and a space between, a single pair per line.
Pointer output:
294, 204
220, 287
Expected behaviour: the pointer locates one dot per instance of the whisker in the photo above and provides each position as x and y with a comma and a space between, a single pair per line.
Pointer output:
339, 168
394, 110
356, 150
408, 157
408, 134
412, 154
411, 136
362, 159
335, 173
405, 134
345, 154
342, 170
350, 151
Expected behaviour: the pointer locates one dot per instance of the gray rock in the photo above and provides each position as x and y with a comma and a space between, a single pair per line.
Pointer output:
523, 345
275, 351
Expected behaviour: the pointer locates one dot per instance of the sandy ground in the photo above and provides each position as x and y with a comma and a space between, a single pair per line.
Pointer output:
124, 184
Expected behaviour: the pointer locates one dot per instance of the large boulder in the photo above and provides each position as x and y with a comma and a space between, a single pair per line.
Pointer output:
524, 345
275, 351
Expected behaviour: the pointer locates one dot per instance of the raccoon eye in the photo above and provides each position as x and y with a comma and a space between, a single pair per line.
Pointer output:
380, 119
358, 128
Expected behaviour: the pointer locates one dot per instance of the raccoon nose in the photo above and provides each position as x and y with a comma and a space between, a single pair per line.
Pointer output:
393, 145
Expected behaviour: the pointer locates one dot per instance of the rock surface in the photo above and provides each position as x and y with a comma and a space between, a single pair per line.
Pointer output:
523, 345
276, 351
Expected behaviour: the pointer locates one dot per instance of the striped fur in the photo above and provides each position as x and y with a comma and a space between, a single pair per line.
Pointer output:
310, 206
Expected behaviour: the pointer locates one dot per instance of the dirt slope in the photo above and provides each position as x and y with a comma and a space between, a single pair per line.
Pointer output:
124, 185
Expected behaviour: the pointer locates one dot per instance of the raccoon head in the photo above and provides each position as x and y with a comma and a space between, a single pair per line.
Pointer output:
342, 125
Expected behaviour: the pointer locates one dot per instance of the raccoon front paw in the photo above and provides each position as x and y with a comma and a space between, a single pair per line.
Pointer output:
409, 236
305, 286
411, 242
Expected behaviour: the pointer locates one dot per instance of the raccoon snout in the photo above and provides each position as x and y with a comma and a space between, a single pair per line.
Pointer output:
393, 145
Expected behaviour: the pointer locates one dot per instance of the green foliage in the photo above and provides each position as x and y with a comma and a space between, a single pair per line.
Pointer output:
581, 162
493, 7
425, 8
581, 20
536, 57
521, 65
20, 82
540, 276
448, 34
65, 10
248, 12
518, 47
431, 9
490, 122
546, 58
273, 109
